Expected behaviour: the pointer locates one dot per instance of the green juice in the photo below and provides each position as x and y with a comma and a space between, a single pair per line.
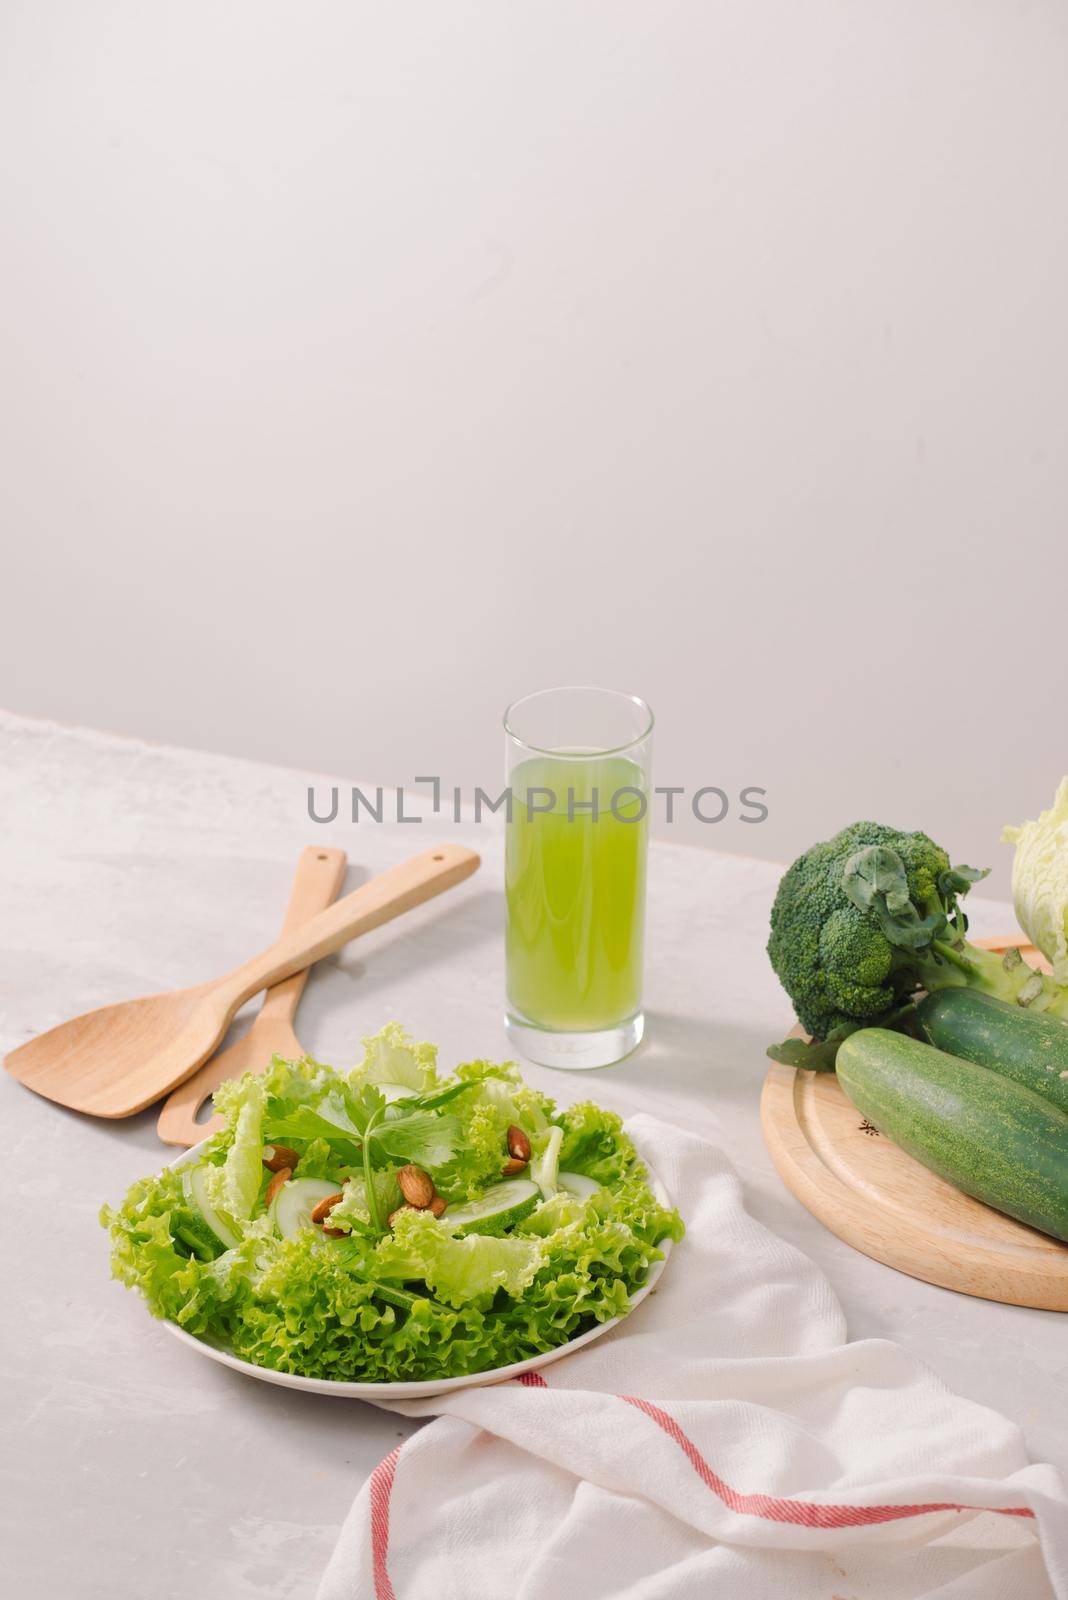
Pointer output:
575, 894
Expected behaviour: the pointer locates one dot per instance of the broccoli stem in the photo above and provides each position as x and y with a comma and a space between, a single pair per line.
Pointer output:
969, 967
953, 956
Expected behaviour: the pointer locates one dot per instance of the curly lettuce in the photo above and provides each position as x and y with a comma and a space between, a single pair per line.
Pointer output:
234, 1187
594, 1144
380, 1301
496, 1099
391, 1057
458, 1271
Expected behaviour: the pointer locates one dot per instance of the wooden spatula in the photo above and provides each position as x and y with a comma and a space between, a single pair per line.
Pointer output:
318, 878
117, 1060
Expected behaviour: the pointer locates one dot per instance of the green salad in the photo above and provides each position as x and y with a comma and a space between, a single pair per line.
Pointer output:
389, 1224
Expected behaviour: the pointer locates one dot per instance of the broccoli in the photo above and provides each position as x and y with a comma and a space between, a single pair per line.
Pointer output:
863, 921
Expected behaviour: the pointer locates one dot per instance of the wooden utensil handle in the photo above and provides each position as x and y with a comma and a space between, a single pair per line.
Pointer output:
387, 896
318, 877
320, 873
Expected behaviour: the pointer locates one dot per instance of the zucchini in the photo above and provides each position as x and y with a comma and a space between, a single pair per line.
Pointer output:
1031, 1047
991, 1137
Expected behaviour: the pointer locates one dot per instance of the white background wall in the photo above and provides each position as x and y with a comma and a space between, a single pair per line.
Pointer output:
368, 365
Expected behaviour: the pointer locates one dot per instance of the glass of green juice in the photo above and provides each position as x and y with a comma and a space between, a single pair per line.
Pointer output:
576, 841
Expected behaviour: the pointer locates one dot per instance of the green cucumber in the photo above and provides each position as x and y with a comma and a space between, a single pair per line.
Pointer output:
295, 1201
991, 1137
190, 1228
502, 1206
577, 1184
196, 1192
1031, 1047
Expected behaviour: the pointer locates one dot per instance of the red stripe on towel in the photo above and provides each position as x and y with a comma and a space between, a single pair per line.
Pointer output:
802, 1512
381, 1489
773, 1509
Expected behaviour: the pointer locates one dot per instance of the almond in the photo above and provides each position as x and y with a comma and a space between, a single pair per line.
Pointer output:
415, 1186
510, 1168
335, 1233
277, 1156
276, 1183
324, 1208
518, 1144
439, 1206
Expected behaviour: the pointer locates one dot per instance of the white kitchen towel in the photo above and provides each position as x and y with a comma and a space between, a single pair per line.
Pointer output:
723, 1441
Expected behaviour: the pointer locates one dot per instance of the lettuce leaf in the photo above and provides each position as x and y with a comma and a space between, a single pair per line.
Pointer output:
304, 1101
594, 1143
552, 1215
501, 1086
497, 1098
456, 1270
391, 1057
234, 1187
297, 1083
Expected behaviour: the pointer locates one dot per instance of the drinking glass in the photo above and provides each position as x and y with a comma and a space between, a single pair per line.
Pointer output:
576, 841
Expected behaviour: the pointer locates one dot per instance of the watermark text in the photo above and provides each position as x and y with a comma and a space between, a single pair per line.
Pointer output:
630, 803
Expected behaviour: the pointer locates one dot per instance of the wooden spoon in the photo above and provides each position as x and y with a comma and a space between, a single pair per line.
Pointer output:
318, 878
117, 1060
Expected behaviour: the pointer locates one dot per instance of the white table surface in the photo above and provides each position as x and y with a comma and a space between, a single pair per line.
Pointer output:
130, 1466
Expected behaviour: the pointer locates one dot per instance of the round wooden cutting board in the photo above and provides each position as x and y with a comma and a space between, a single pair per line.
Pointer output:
881, 1201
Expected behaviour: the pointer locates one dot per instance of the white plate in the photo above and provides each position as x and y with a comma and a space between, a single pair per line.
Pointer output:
417, 1391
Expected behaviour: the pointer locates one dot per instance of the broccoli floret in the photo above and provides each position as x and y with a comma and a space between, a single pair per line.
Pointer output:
831, 956
863, 921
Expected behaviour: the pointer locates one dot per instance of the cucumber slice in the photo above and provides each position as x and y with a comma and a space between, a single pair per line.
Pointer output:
192, 1231
502, 1206
295, 1201
578, 1184
194, 1184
